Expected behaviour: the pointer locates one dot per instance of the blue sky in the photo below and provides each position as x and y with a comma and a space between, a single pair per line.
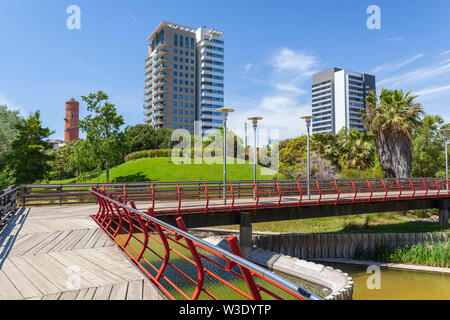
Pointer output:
272, 49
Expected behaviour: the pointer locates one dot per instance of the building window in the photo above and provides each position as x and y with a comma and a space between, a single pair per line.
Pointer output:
174, 111
181, 41
175, 119
175, 39
192, 43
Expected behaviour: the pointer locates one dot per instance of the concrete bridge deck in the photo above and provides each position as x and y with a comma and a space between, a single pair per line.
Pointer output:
60, 253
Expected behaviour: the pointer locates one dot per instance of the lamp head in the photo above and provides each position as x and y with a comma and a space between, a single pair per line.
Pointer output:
446, 133
255, 121
308, 119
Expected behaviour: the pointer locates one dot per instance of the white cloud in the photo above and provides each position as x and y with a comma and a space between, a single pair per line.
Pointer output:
288, 60
248, 67
428, 92
396, 39
12, 106
418, 75
287, 74
389, 67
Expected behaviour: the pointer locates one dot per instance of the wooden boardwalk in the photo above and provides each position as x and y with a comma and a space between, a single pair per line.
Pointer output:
61, 253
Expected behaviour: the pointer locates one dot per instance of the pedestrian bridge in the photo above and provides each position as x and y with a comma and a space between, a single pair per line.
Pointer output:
133, 242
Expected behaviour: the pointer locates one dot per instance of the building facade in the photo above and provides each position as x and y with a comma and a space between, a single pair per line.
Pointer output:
338, 98
184, 78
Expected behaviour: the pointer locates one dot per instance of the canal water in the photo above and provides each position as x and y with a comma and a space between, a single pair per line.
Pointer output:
395, 284
398, 284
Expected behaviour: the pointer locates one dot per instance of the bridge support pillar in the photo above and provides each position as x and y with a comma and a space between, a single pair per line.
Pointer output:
245, 234
443, 213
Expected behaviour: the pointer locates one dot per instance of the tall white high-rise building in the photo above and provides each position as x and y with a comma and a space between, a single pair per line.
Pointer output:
338, 98
185, 78
210, 76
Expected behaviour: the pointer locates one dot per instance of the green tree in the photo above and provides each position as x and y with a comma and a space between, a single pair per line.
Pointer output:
64, 164
391, 119
28, 158
428, 148
144, 137
8, 131
356, 149
104, 138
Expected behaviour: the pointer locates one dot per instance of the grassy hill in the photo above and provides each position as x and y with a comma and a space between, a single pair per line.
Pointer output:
161, 170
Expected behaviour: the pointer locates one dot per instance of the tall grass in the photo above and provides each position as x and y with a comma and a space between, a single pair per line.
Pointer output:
435, 254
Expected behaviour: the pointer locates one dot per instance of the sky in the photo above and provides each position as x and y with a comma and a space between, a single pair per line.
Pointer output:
272, 49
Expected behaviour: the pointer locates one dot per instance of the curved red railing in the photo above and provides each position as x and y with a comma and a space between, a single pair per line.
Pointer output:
181, 265
206, 197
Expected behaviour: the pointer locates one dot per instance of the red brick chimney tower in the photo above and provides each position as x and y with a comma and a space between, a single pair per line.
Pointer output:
71, 130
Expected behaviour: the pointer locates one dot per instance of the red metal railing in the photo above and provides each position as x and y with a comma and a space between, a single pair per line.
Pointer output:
183, 266
193, 197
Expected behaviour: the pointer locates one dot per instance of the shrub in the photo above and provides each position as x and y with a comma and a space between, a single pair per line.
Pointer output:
147, 154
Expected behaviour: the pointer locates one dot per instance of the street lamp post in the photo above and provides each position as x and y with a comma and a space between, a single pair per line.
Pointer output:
255, 125
225, 112
308, 177
446, 133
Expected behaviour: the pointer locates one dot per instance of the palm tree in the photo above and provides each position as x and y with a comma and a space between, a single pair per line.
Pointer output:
391, 121
357, 150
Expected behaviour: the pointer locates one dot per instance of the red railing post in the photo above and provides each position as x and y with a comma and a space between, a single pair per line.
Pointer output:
144, 230
179, 198
232, 195
124, 194
401, 190
165, 244
356, 191
152, 190
207, 198
279, 194
337, 190
370, 189
198, 261
320, 192
256, 194
426, 188
414, 189
232, 243
438, 189
301, 194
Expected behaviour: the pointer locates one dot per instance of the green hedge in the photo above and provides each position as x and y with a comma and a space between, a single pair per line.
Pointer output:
147, 154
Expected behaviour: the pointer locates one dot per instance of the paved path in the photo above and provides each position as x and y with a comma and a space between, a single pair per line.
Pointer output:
61, 253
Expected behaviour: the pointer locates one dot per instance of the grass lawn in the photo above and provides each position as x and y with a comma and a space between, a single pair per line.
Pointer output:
390, 222
160, 170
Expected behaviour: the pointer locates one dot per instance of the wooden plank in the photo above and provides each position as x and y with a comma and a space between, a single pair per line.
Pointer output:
103, 293
86, 294
54, 296
47, 248
98, 270
123, 269
135, 290
93, 240
30, 243
70, 295
8, 290
151, 292
22, 284
119, 291
66, 272
86, 273
43, 243
38, 280
84, 239
55, 278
